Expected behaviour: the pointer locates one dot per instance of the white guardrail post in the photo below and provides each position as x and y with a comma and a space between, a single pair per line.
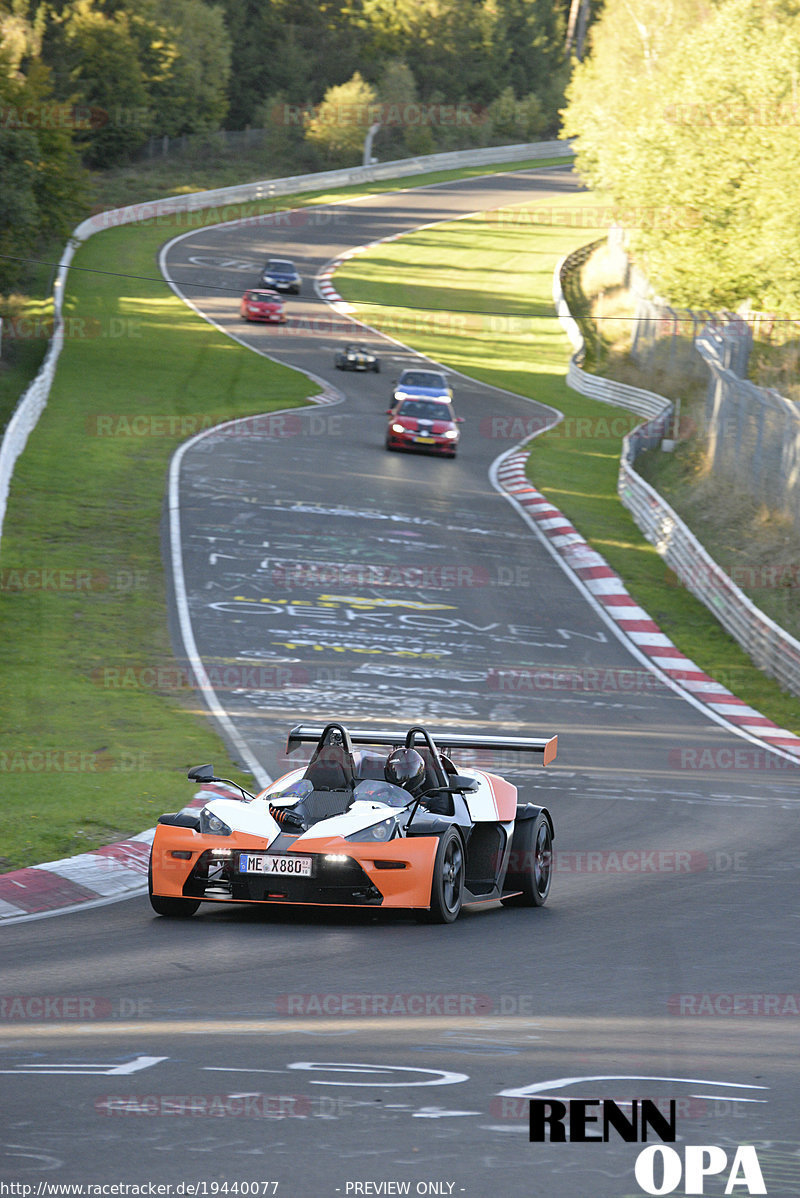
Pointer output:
771, 648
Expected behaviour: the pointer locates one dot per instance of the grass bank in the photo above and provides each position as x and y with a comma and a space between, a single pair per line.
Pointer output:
95, 739
488, 312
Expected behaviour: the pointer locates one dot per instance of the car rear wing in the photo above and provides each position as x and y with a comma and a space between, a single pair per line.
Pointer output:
545, 747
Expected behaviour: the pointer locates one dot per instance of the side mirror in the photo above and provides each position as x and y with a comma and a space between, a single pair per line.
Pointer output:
459, 420
205, 773
463, 783
201, 773
458, 784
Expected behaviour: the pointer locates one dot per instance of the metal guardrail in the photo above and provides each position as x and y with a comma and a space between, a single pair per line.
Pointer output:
223, 197
33, 401
771, 647
635, 399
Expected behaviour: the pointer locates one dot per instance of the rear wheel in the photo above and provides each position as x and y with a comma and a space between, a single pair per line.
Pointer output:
447, 888
179, 908
531, 865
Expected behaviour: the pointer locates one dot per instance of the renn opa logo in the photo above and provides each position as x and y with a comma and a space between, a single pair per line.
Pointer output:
659, 1168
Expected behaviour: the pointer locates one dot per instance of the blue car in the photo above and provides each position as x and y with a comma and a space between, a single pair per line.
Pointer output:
280, 273
415, 383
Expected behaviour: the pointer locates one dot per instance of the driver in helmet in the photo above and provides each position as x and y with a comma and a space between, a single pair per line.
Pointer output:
406, 768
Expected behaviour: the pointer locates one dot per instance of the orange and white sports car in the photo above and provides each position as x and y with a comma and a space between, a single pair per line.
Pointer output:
391, 824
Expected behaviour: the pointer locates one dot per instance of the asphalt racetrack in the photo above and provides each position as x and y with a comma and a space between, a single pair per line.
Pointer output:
316, 1054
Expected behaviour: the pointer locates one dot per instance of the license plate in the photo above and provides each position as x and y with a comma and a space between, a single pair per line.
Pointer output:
425, 440
290, 865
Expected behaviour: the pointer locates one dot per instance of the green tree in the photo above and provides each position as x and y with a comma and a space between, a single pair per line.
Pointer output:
255, 30
530, 52
104, 70
702, 152
404, 131
342, 120
191, 95
44, 187
20, 35
516, 120
617, 86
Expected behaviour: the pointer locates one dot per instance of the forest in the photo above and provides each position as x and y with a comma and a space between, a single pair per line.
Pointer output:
684, 114
85, 84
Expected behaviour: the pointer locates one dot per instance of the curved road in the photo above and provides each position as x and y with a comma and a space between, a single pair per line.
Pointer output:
339, 1054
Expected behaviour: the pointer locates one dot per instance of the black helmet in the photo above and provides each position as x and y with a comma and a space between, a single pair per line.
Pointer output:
406, 767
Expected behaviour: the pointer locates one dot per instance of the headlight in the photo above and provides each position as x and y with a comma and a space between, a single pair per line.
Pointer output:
376, 832
451, 433
399, 428
212, 824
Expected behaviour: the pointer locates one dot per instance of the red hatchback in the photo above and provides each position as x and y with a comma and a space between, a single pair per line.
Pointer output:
263, 304
426, 424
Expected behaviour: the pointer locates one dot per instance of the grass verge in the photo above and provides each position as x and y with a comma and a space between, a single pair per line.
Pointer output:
81, 583
476, 296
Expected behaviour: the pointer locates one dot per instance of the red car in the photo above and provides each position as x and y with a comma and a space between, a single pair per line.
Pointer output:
426, 424
263, 304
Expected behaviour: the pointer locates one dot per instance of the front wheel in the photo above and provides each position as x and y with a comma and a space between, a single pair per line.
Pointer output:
531, 865
377, 367
180, 908
447, 887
